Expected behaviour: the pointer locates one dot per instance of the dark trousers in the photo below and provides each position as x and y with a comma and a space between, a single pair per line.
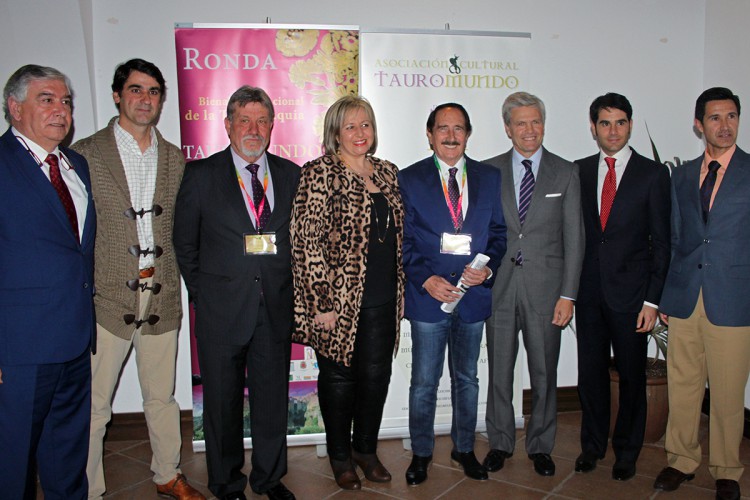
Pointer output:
45, 412
265, 359
598, 327
356, 394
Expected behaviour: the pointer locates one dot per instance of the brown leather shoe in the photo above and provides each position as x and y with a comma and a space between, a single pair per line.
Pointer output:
669, 479
345, 475
179, 489
374, 470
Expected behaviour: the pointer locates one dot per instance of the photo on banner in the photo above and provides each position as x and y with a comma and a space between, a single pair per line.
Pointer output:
304, 69
404, 75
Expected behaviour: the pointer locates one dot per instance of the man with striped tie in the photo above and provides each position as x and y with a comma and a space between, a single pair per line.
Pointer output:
536, 283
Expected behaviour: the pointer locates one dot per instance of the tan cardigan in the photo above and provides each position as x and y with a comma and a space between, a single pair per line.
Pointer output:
114, 266
330, 236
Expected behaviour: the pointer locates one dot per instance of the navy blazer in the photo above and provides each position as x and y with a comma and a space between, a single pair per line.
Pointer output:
713, 256
428, 217
46, 274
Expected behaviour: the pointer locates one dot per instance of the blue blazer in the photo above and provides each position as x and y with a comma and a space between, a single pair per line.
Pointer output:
46, 275
714, 256
428, 217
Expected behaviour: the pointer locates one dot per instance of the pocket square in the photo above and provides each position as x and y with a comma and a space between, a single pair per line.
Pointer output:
553, 195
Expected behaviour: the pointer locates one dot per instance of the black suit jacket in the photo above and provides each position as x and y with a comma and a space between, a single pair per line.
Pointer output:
225, 284
627, 262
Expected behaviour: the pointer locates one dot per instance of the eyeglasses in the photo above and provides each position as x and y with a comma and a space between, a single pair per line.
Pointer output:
135, 251
135, 285
130, 319
131, 213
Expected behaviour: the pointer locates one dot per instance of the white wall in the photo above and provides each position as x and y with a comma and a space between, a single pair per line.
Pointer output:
661, 54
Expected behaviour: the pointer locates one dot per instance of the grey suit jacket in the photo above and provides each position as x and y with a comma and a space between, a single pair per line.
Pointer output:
552, 237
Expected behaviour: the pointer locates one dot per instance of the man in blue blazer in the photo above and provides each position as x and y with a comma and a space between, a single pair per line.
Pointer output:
625, 204
706, 299
453, 212
47, 229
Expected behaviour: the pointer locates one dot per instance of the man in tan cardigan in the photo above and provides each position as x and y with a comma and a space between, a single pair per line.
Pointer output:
135, 177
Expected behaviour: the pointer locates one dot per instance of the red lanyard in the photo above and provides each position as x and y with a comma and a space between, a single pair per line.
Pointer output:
455, 213
250, 202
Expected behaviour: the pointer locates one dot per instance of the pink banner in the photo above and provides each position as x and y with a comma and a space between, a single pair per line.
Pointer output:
303, 71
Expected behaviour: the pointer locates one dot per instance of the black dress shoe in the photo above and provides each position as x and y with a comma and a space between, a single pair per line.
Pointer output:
471, 466
727, 489
235, 495
622, 471
280, 492
417, 471
543, 464
495, 460
585, 462
669, 479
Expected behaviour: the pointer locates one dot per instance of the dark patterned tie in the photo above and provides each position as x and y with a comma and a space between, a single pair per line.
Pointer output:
524, 199
609, 189
62, 191
259, 196
453, 195
707, 188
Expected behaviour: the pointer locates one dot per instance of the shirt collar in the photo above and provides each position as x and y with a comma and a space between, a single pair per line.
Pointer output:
126, 139
37, 152
723, 160
536, 159
240, 163
622, 157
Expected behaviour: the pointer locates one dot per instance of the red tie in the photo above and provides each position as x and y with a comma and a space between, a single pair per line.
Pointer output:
62, 191
608, 191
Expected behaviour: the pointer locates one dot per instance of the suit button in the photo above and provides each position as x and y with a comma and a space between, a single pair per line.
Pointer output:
513, 260
520, 236
453, 275
706, 240
700, 266
85, 285
604, 240
257, 278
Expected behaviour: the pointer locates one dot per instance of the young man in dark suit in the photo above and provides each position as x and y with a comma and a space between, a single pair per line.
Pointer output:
625, 204
231, 237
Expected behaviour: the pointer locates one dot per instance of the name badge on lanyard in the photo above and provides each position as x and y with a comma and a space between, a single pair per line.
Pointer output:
455, 244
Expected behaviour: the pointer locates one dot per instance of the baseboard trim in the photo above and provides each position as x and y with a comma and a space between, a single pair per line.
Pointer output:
132, 426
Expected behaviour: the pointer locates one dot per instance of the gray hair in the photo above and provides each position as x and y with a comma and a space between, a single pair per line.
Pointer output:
334, 120
246, 95
17, 86
519, 99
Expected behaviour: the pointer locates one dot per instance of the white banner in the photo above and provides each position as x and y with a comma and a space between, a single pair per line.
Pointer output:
405, 75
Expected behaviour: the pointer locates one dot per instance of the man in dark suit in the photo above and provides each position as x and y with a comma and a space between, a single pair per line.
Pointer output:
453, 212
536, 287
706, 300
625, 203
47, 228
231, 238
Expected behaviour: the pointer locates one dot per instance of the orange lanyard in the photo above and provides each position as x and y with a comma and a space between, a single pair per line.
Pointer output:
455, 213
259, 209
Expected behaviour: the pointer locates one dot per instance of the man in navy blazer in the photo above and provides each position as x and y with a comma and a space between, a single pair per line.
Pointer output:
706, 300
626, 217
453, 212
47, 229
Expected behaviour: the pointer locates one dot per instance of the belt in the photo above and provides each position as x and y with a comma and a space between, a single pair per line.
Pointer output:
146, 273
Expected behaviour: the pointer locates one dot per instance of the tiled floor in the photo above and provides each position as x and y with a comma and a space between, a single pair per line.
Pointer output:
309, 477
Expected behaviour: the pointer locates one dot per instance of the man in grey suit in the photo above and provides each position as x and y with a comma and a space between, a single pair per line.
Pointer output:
707, 299
537, 281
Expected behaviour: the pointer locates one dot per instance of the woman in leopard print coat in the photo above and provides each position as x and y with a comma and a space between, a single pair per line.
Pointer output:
347, 230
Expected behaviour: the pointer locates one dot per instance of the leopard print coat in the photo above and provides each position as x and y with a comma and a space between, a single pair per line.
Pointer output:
330, 235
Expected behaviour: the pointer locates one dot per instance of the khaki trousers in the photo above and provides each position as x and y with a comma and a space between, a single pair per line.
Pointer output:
156, 358
698, 352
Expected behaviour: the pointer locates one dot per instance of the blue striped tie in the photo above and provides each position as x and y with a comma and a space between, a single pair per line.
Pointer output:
524, 199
